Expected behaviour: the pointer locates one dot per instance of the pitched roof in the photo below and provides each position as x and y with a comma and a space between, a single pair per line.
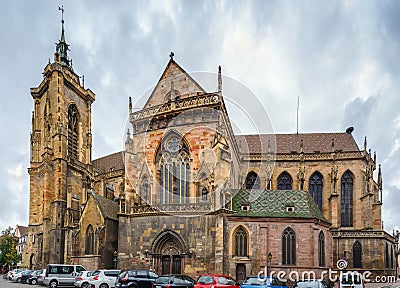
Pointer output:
274, 203
110, 162
288, 143
183, 83
23, 230
109, 209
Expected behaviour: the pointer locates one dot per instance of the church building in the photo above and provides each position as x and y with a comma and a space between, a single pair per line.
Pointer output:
188, 195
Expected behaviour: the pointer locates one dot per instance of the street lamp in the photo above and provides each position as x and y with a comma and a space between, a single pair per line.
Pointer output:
270, 262
115, 259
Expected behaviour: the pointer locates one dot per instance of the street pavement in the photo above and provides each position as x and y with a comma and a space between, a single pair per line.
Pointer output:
9, 284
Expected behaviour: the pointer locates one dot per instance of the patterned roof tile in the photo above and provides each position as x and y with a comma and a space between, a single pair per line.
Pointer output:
274, 203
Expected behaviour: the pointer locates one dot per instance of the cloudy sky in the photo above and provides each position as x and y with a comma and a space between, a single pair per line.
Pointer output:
341, 58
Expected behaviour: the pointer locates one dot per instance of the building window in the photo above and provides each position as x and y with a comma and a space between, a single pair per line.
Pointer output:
73, 131
145, 189
241, 242
89, 249
387, 259
315, 188
174, 163
285, 181
346, 200
204, 193
357, 252
321, 249
288, 247
252, 181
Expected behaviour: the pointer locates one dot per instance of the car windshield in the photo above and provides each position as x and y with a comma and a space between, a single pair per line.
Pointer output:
254, 281
206, 280
162, 280
96, 273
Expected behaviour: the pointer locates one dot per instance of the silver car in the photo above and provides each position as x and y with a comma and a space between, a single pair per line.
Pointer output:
82, 280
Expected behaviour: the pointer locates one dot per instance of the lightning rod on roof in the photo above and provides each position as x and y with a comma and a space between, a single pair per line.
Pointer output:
297, 121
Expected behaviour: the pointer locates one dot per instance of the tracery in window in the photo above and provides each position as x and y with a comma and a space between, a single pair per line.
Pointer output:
285, 181
174, 163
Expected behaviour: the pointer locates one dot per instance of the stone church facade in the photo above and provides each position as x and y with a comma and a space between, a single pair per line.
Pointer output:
189, 196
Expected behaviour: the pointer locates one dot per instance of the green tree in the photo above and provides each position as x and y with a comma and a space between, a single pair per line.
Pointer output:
8, 251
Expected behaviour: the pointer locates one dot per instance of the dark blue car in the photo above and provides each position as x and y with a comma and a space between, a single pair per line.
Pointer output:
262, 282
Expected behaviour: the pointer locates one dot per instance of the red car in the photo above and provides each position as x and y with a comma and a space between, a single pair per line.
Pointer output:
216, 280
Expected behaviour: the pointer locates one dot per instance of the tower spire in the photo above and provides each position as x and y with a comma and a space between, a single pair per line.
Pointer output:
62, 46
219, 80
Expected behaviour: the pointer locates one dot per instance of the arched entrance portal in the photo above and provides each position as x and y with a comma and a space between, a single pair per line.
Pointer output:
168, 252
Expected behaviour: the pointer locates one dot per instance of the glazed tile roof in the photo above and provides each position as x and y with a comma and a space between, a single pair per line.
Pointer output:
110, 162
274, 203
109, 209
289, 143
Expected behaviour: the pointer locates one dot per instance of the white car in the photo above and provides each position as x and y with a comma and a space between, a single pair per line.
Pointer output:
103, 278
83, 278
16, 276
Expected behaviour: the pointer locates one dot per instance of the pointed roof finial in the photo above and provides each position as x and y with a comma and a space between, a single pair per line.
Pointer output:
130, 106
365, 143
62, 46
219, 80
380, 177
171, 55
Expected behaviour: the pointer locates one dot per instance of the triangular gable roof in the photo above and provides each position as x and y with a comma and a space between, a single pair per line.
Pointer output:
289, 143
183, 83
108, 208
273, 203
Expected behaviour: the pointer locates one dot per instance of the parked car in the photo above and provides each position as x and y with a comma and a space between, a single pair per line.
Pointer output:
210, 280
259, 282
174, 281
33, 277
25, 276
310, 284
17, 275
82, 280
103, 278
136, 278
61, 274
40, 277
11, 273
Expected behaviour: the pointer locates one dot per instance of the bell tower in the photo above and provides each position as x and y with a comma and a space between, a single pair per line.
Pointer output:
60, 165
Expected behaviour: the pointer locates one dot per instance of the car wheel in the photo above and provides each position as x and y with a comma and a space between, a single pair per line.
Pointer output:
33, 281
19, 279
85, 285
53, 284
104, 285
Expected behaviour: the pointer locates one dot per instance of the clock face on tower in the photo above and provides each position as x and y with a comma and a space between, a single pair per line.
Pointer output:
173, 145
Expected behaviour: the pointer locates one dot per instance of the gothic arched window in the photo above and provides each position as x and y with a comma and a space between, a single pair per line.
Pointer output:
315, 187
89, 248
252, 181
357, 253
346, 200
285, 181
174, 163
288, 247
321, 249
241, 242
145, 189
73, 131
